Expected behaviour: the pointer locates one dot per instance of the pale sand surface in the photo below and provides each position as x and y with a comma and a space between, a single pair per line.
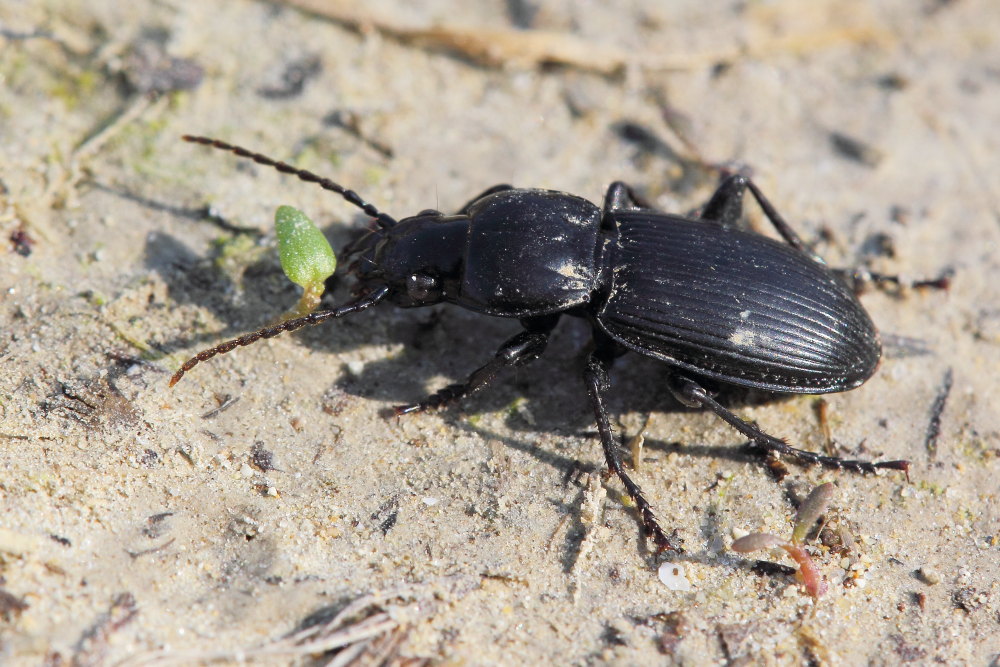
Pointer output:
133, 524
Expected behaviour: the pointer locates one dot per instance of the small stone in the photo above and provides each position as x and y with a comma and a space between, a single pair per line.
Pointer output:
673, 577
969, 599
929, 575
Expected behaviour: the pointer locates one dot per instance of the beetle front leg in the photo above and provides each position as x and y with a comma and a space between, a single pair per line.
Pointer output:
692, 394
521, 349
595, 376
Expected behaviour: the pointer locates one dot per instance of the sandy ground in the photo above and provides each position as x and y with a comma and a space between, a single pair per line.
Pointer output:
268, 491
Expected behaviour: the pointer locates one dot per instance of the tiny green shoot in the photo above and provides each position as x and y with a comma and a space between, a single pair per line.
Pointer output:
306, 257
811, 509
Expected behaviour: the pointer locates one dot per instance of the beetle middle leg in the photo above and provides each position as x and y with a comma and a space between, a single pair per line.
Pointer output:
726, 208
693, 395
521, 349
595, 376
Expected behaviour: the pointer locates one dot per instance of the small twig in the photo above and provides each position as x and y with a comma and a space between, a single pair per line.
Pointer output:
937, 408
93, 142
367, 627
500, 47
636, 443
92, 648
227, 402
151, 550
822, 407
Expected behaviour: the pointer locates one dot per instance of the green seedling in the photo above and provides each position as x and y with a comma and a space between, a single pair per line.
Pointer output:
306, 257
810, 511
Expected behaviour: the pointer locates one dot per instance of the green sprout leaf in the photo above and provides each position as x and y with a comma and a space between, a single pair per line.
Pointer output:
306, 256
810, 511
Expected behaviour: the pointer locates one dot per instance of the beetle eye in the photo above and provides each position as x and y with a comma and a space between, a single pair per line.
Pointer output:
429, 212
422, 287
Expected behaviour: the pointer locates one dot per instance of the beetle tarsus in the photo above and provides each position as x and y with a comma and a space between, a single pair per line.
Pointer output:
595, 376
860, 279
691, 392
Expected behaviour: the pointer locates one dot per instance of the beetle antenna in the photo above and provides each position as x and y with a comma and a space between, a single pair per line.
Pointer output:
384, 220
355, 306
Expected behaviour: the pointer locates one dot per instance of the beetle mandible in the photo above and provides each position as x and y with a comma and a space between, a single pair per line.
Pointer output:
719, 305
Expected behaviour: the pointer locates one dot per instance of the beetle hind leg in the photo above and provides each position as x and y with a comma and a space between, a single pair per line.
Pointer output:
692, 394
595, 375
859, 279
521, 349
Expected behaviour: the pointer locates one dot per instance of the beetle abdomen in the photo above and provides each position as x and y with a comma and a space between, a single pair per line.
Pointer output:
735, 306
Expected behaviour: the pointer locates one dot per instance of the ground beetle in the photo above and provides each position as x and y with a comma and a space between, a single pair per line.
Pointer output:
719, 305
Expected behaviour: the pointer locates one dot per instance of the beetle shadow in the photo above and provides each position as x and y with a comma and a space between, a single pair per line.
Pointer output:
638, 386
205, 282
538, 397
437, 350
572, 467
246, 295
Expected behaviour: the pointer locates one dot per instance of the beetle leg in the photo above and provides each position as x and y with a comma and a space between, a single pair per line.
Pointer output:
595, 376
726, 205
692, 394
488, 191
620, 197
726, 208
521, 349
860, 279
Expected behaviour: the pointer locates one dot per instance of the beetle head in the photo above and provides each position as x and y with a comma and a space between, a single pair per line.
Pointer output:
419, 259
415, 262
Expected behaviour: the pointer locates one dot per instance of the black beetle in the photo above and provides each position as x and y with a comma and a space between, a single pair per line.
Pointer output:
718, 304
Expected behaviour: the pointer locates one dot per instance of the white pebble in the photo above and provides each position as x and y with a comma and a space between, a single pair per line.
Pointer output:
930, 575
672, 576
